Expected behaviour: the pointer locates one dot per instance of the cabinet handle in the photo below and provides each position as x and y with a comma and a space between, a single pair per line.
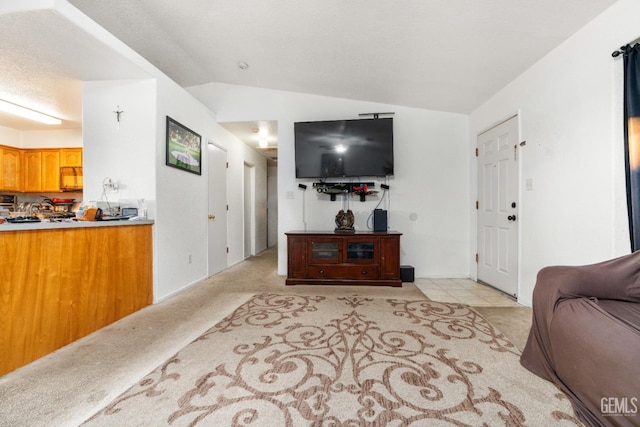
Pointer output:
364, 271
321, 271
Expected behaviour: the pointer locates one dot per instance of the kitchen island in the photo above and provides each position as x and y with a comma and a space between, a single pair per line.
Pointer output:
60, 281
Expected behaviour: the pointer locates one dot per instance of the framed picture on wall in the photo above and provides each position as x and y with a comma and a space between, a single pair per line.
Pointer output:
184, 147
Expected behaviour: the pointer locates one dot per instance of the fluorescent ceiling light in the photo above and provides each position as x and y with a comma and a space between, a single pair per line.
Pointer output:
17, 110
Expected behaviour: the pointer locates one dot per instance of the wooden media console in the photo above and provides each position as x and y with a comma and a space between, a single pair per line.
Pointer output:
329, 258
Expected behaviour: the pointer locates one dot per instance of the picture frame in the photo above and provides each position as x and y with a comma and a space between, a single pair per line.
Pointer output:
184, 148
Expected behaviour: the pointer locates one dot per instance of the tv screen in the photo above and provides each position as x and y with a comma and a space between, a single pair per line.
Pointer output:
344, 148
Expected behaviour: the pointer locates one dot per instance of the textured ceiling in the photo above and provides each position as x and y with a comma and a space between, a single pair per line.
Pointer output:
44, 58
448, 55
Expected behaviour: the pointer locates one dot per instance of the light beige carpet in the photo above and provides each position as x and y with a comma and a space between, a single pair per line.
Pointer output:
296, 360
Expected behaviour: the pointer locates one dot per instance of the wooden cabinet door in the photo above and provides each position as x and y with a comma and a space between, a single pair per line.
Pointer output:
10, 169
32, 171
51, 170
42, 170
361, 250
297, 259
71, 157
390, 257
324, 250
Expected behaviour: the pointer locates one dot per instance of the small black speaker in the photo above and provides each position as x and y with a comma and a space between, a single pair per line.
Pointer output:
406, 273
379, 220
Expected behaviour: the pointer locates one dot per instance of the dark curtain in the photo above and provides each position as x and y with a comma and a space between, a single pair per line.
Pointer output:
631, 56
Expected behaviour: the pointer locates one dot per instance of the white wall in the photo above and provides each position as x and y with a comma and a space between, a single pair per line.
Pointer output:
52, 138
181, 220
429, 192
10, 137
134, 155
570, 107
124, 152
41, 138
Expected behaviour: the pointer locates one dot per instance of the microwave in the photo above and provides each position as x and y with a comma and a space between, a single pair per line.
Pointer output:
71, 178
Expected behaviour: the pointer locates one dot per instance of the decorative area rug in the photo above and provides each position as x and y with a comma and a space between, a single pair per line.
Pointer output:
291, 360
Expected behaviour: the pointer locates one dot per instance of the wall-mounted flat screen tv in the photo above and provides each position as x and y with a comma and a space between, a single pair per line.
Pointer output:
344, 148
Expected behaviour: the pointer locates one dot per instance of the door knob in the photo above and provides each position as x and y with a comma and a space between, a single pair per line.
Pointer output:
211, 216
511, 217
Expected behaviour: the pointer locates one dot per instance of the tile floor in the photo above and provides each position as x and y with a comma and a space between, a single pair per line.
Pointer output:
465, 291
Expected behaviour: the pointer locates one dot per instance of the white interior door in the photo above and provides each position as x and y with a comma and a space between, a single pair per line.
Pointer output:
249, 215
272, 207
217, 209
498, 181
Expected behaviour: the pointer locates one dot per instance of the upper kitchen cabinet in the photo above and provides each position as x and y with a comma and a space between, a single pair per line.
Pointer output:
32, 170
71, 157
41, 171
71, 178
51, 170
10, 169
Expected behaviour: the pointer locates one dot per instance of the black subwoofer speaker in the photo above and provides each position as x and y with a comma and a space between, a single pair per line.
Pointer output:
406, 273
379, 220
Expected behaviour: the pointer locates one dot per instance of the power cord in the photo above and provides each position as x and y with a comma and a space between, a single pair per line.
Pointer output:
108, 185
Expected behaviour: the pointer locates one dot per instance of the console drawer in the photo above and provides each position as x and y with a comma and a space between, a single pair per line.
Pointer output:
344, 271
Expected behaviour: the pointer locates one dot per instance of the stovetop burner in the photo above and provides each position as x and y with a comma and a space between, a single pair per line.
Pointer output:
22, 219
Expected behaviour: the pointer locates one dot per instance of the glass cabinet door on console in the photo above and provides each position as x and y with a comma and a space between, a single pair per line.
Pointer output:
361, 251
325, 251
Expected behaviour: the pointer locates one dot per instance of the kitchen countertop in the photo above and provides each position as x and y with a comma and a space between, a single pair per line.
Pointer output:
45, 225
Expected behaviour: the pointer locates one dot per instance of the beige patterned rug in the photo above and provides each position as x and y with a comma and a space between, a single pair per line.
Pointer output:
291, 360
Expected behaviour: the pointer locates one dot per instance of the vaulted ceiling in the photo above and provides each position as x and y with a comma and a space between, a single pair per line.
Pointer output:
447, 55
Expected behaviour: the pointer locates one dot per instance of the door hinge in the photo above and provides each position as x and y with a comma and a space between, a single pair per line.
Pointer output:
227, 249
227, 207
477, 204
476, 258
227, 165
476, 152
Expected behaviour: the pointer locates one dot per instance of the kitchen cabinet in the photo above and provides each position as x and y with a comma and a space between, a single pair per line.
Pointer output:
32, 170
71, 157
71, 177
50, 170
38, 170
361, 258
60, 284
42, 170
10, 169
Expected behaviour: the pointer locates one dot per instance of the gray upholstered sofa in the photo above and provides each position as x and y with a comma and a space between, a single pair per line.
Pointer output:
585, 337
